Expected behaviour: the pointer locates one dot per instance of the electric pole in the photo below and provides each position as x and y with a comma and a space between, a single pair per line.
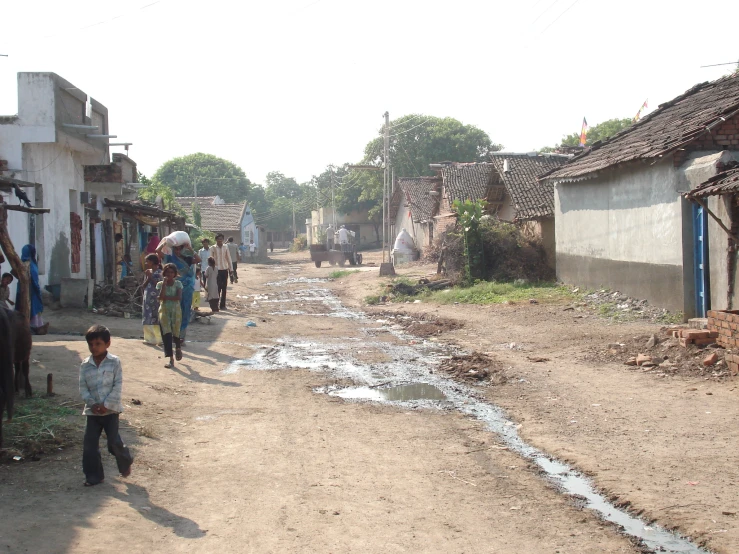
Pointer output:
295, 229
386, 177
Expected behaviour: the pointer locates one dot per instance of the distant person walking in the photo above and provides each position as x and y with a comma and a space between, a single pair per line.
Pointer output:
252, 250
211, 284
152, 275
204, 254
224, 265
170, 312
233, 250
271, 246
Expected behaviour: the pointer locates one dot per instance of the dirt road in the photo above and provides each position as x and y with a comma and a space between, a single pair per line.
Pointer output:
247, 446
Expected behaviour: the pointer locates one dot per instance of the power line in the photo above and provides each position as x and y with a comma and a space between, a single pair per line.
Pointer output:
545, 11
560, 15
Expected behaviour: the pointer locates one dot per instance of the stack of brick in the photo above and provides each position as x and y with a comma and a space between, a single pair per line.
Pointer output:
732, 362
695, 336
726, 325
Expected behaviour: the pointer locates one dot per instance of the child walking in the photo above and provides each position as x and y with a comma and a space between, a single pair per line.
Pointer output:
152, 275
101, 383
211, 284
170, 312
196, 289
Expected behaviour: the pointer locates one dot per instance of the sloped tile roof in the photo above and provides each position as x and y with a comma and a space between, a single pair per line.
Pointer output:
530, 198
467, 181
674, 124
726, 182
218, 217
416, 192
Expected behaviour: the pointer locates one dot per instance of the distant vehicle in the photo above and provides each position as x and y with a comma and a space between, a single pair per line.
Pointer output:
338, 255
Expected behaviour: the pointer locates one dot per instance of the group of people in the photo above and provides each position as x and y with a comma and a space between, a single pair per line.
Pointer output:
28, 257
174, 277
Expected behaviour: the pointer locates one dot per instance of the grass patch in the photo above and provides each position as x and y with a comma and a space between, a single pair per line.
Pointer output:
38, 422
372, 300
497, 293
339, 273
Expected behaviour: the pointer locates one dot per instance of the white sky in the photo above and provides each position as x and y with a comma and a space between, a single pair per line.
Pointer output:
293, 85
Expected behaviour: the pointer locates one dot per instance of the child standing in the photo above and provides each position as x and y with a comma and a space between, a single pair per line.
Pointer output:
5, 281
211, 284
101, 383
170, 312
152, 275
196, 289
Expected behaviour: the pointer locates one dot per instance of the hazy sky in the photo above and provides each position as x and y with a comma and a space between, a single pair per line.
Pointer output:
293, 85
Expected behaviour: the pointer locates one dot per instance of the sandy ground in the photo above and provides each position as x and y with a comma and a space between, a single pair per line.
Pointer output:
232, 459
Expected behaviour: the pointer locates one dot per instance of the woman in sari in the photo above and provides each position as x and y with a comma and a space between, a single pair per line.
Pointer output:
185, 260
28, 257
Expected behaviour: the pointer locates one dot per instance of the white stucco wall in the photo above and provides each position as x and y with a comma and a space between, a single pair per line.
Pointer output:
629, 215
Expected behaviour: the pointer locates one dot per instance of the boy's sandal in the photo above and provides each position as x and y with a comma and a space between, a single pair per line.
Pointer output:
169, 365
178, 354
88, 484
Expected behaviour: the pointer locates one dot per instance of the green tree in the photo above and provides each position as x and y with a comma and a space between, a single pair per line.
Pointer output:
154, 190
602, 131
281, 196
213, 176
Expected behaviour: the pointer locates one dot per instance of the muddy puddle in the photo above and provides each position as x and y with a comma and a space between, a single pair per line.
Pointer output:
406, 374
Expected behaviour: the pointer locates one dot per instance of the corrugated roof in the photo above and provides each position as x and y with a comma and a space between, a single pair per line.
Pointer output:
466, 181
674, 124
416, 192
530, 198
726, 182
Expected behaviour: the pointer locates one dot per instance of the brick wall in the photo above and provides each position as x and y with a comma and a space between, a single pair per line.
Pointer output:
721, 137
726, 324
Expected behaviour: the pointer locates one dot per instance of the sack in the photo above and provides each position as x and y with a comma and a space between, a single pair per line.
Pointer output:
178, 238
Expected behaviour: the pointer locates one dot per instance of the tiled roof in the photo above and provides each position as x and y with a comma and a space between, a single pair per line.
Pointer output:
187, 201
466, 181
416, 192
726, 182
674, 124
530, 198
218, 217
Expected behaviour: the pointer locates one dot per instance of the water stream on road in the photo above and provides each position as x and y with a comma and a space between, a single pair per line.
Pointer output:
407, 376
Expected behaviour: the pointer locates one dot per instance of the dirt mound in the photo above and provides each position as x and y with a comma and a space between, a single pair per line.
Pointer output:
475, 367
424, 325
676, 359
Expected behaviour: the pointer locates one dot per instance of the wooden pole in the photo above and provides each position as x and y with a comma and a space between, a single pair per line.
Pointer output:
19, 268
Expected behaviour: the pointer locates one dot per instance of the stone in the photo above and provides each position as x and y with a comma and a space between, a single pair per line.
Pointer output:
642, 359
711, 359
630, 361
653, 341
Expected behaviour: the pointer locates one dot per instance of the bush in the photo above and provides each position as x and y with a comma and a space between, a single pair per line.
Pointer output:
299, 243
508, 253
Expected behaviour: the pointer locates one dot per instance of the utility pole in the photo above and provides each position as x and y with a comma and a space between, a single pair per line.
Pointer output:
295, 230
386, 159
333, 203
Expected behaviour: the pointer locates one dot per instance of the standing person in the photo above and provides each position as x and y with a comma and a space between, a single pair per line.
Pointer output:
271, 247
196, 289
211, 284
252, 250
330, 237
242, 252
152, 275
233, 251
28, 257
183, 259
204, 254
101, 387
5, 281
170, 312
223, 264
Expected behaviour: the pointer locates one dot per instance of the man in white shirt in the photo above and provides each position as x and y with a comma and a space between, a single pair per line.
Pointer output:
252, 250
223, 265
233, 250
204, 253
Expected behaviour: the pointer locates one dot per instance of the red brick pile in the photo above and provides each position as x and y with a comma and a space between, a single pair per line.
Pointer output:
699, 337
726, 326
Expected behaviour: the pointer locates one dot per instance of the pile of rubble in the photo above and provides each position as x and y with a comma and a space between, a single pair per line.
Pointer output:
620, 307
124, 300
475, 367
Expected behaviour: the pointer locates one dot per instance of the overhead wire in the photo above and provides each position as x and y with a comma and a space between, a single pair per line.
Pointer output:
560, 15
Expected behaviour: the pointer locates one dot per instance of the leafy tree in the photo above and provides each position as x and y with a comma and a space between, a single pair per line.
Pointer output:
602, 131
154, 190
213, 175
279, 198
417, 140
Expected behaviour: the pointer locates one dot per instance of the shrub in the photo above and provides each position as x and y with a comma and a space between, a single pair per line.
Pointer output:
299, 243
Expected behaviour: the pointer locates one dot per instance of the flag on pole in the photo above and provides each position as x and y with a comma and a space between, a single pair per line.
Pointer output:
584, 132
644, 106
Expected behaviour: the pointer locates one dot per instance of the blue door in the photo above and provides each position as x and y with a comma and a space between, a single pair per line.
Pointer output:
700, 252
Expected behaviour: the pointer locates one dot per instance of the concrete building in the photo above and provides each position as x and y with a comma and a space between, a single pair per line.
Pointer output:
57, 132
620, 218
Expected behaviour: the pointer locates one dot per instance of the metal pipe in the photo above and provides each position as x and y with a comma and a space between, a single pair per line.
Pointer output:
102, 136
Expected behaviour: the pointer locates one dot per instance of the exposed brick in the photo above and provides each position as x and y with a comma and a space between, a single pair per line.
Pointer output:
706, 341
712, 334
711, 314
685, 342
711, 359
734, 368
721, 316
695, 334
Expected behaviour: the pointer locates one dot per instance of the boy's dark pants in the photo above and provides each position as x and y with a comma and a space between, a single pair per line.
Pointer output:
222, 280
92, 462
168, 339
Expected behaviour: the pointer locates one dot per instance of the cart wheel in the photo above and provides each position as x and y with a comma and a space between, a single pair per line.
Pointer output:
342, 262
318, 263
